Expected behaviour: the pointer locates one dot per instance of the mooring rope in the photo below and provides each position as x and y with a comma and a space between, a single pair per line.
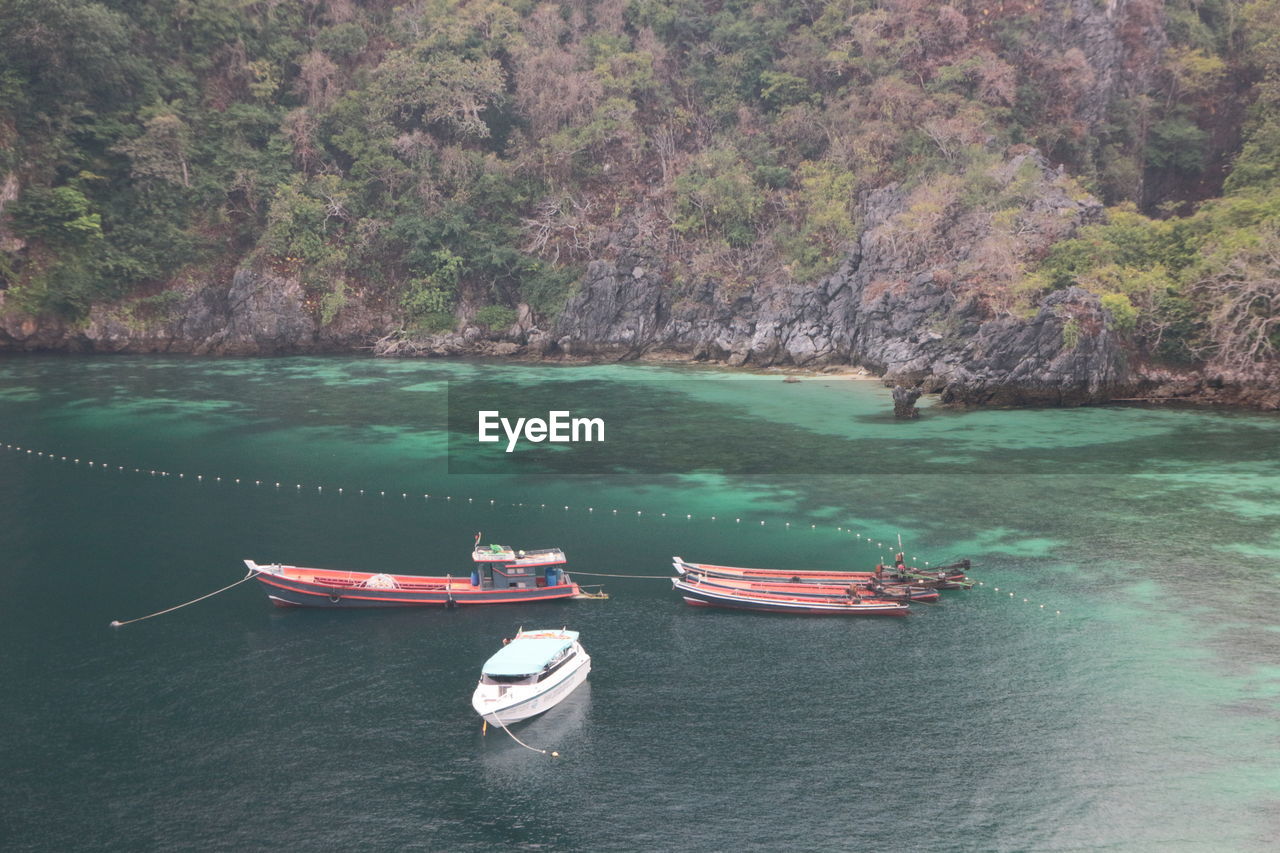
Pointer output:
607, 575
498, 722
118, 624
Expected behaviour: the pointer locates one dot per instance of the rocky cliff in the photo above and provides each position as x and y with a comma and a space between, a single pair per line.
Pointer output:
255, 312
921, 297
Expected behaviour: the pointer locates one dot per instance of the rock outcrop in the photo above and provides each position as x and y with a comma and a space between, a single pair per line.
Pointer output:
258, 312
919, 299
923, 298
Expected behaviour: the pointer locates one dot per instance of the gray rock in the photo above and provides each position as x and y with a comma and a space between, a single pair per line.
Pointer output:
907, 302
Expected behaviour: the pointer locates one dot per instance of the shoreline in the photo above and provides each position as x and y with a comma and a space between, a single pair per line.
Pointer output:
1187, 390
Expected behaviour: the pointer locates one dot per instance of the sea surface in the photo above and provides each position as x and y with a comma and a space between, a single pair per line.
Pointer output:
1120, 690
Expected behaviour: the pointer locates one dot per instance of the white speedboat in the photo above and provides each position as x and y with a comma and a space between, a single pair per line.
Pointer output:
530, 674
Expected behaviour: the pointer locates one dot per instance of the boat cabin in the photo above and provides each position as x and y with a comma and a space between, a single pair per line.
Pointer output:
530, 658
502, 567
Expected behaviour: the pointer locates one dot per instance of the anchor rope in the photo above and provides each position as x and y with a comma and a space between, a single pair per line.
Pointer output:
118, 624
498, 721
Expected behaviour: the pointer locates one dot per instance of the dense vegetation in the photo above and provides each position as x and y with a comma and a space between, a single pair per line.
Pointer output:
426, 153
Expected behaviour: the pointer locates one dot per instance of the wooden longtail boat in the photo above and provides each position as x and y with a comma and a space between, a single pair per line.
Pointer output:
869, 589
501, 575
701, 594
944, 577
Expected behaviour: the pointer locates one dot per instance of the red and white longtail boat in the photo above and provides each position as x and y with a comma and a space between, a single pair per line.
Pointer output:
944, 577
870, 588
500, 575
700, 594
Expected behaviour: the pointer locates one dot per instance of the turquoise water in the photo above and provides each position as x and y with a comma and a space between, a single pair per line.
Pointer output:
1131, 702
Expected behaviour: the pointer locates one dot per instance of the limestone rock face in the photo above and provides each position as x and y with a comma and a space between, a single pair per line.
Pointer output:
1109, 49
922, 297
917, 299
256, 313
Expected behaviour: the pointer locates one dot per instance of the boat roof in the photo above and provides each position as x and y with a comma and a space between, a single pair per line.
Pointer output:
529, 652
506, 554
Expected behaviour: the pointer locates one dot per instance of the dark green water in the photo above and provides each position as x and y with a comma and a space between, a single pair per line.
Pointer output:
1144, 716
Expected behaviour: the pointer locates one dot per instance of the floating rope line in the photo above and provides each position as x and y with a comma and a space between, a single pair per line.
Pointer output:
498, 722
322, 491
118, 624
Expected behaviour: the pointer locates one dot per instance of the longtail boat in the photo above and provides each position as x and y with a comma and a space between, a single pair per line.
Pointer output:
500, 575
870, 588
944, 577
701, 594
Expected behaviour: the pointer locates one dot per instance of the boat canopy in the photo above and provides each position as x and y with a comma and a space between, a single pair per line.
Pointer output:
528, 655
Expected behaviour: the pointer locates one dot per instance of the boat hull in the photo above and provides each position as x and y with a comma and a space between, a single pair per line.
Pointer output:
522, 707
699, 595
290, 586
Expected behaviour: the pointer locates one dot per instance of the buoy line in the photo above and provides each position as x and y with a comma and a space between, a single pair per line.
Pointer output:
227, 480
493, 503
116, 623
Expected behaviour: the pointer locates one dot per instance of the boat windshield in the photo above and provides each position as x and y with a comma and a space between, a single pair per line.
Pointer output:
507, 679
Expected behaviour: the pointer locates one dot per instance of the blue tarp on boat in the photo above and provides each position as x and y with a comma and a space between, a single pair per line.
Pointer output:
528, 654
